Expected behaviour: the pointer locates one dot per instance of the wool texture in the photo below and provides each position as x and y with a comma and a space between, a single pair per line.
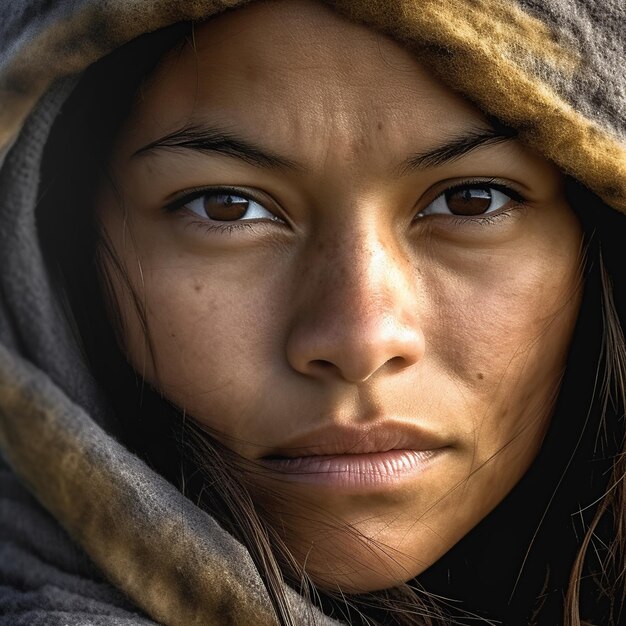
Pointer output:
89, 534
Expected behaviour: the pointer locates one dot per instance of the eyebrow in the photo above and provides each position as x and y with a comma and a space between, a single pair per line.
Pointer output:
458, 147
206, 139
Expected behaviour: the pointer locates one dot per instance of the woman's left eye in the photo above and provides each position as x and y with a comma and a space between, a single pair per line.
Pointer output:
470, 201
221, 206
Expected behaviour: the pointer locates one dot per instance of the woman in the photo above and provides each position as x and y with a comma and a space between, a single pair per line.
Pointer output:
370, 326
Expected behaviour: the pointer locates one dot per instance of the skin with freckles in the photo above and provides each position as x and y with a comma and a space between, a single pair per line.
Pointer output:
311, 265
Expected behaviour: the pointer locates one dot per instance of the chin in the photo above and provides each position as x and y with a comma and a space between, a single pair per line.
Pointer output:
356, 561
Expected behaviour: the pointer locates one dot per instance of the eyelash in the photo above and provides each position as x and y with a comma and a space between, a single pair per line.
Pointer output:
193, 194
227, 229
230, 227
488, 219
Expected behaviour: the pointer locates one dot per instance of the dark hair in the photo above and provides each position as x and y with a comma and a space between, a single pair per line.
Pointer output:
551, 552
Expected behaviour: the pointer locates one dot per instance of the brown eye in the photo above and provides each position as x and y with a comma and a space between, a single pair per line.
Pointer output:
220, 206
468, 201
225, 207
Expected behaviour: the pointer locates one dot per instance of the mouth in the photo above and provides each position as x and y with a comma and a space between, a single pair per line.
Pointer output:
355, 471
356, 459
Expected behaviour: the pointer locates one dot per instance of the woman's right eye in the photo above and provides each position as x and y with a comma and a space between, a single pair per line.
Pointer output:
221, 206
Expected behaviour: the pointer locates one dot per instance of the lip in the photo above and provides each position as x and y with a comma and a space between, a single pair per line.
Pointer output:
356, 459
355, 471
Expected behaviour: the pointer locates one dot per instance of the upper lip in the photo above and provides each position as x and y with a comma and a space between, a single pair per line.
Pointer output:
337, 439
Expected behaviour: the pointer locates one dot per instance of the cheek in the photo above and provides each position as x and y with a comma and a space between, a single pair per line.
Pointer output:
215, 326
214, 342
501, 313
503, 341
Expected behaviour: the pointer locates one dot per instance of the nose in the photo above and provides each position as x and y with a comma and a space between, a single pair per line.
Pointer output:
358, 317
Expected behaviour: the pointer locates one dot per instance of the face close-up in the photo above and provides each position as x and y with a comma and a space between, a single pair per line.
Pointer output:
351, 277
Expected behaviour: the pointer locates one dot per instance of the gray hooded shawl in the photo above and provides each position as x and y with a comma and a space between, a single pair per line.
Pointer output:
88, 533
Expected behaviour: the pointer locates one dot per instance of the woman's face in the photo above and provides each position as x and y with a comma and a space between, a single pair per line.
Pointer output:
350, 276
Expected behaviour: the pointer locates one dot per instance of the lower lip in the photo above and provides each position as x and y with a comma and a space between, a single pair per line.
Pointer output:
355, 471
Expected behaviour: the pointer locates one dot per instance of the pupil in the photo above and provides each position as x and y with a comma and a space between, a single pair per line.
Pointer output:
225, 208
469, 201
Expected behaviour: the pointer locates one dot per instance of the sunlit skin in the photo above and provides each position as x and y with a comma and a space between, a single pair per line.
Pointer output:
343, 299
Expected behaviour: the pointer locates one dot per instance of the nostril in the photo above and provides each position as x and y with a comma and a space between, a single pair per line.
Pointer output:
396, 363
322, 364
323, 368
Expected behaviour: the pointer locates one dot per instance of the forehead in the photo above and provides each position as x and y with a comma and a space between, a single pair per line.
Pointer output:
298, 70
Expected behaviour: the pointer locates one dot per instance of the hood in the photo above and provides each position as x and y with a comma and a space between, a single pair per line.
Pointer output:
554, 71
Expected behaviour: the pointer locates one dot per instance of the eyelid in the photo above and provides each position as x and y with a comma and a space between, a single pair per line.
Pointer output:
437, 191
507, 187
510, 190
182, 198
